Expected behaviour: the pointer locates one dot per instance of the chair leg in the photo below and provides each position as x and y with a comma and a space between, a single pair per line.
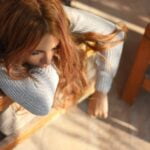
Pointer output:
137, 74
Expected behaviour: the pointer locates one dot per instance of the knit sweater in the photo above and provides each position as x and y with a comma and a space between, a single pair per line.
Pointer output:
37, 97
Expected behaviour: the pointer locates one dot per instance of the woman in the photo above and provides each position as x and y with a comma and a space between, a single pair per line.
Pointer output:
39, 48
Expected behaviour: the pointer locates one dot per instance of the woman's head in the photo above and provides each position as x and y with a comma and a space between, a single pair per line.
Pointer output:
26, 25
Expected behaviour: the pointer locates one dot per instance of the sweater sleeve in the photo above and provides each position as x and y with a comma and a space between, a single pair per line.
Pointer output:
83, 21
36, 97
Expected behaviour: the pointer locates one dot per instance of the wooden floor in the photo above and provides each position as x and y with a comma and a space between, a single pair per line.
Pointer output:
127, 128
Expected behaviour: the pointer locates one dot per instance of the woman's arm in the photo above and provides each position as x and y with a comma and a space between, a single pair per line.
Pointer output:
36, 97
83, 21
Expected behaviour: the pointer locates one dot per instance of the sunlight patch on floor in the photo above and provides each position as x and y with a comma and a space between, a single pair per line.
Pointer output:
112, 18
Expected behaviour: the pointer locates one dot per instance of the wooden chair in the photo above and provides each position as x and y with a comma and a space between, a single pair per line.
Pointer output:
138, 78
38, 122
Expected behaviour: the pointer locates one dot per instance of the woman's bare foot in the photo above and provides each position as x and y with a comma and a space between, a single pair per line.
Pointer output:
98, 105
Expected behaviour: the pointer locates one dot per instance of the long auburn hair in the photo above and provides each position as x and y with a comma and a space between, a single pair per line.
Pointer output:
23, 23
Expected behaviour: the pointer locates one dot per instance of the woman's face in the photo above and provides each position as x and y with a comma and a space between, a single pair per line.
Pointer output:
42, 55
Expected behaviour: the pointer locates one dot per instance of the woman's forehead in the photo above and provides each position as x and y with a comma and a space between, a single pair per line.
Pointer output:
48, 41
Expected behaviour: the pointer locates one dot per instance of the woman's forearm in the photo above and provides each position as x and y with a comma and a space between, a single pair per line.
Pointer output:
82, 21
36, 97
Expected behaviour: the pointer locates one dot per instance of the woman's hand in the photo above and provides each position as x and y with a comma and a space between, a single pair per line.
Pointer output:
98, 105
